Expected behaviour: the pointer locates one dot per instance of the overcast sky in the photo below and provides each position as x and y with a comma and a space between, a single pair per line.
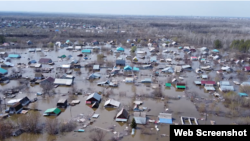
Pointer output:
168, 8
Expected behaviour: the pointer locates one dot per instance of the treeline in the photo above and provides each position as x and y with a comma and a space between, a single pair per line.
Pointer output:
241, 45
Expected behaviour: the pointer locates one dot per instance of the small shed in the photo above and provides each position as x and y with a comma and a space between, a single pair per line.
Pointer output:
129, 80
165, 118
95, 97
243, 94
153, 59
181, 86
45, 61
3, 71
168, 84
120, 62
52, 112
86, 51
120, 49
14, 56
146, 80
16, 108
178, 69
96, 67
127, 68
140, 117
111, 103
136, 69
62, 103
122, 116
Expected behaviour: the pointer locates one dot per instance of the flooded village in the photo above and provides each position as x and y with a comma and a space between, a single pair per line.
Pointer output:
112, 89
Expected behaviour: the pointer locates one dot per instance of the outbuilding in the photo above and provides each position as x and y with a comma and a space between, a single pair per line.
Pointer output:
122, 116
93, 98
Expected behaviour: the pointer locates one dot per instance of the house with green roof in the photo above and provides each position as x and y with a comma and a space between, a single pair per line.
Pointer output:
3, 71
168, 84
14, 56
136, 69
119, 49
86, 51
52, 112
63, 56
127, 68
181, 86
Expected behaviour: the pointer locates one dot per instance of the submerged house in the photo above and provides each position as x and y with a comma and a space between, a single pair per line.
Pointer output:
111, 103
181, 86
52, 112
67, 82
16, 108
226, 88
94, 76
165, 118
120, 62
129, 80
24, 101
168, 70
62, 103
247, 68
96, 67
243, 94
39, 76
187, 67
3, 71
122, 116
86, 51
45, 61
140, 117
208, 83
93, 98
177, 69
120, 49
127, 68
146, 80
14, 56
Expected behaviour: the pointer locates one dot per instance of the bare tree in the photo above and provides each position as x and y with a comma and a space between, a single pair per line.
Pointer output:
31, 122
97, 135
47, 87
52, 126
5, 129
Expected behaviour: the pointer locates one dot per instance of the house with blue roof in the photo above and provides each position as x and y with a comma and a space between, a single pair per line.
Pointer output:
136, 69
127, 68
86, 51
3, 71
165, 118
120, 49
215, 50
243, 94
14, 56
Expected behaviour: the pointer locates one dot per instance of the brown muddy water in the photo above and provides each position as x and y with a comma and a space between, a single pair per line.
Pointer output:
179, 107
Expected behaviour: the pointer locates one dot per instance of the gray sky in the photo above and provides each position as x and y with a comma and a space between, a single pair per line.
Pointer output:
167, 8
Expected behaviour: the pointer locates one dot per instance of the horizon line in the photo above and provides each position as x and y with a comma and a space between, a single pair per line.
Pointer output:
50, 13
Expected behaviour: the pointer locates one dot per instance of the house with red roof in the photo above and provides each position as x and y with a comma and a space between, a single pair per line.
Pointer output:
208, 82
247, 68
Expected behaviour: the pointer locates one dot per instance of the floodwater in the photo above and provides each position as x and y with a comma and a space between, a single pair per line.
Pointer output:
125, 93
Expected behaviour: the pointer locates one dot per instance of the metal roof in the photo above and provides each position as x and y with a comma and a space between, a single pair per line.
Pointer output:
165, 115
94, 95
96, 67
226, 88
62, 100
112, 102
63, 81
140, 120
224, 83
